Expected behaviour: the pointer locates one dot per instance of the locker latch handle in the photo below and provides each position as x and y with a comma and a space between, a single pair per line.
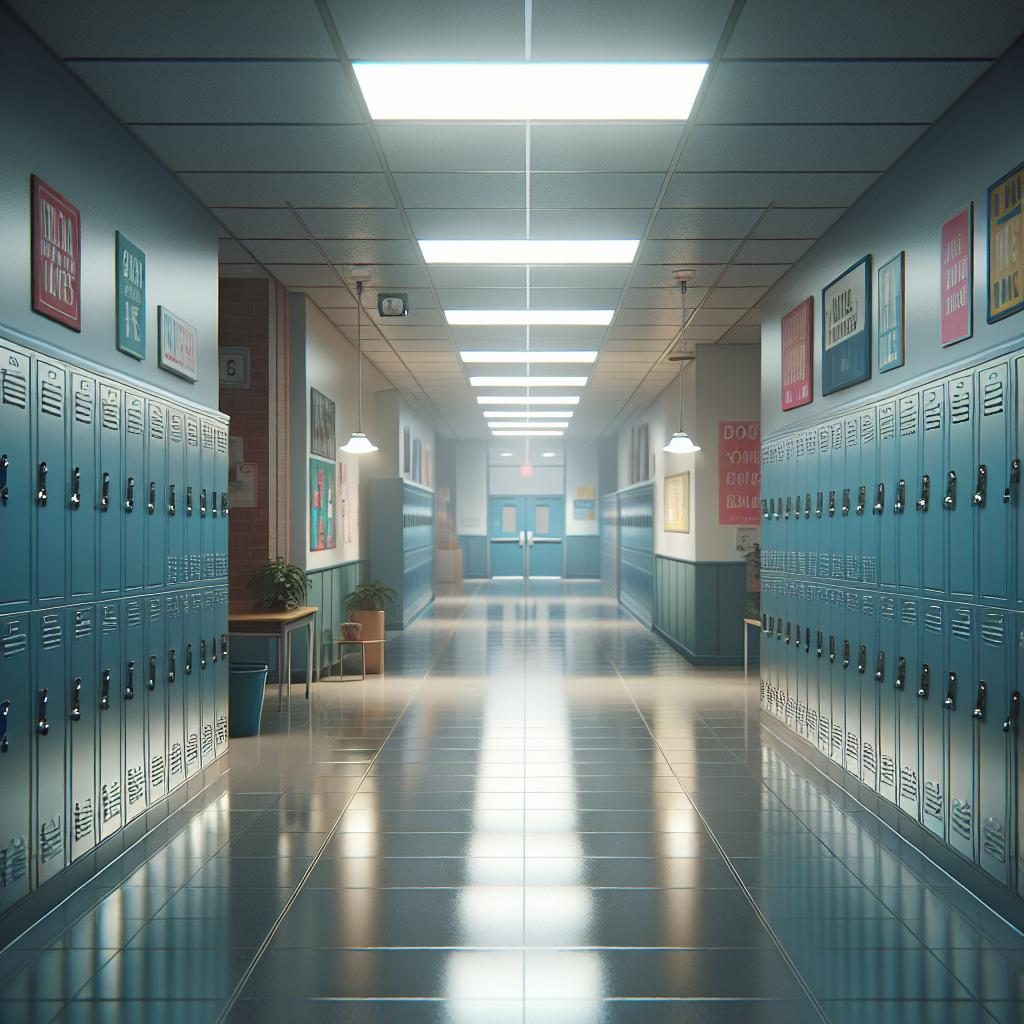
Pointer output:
223, 645
1014, 480
831, 504
821, 643
846, 501
807, 640
820, 502
764, 624
105, 690
862, 659
926, 490
807, 506
880, 667
846, 654
172, 662
5, 713
129, 686
41, 495
129, 495
789, 507
105, 493
862, 497
4, 490
188, 501
151, 504
901, 497
789, 632
980, 701
771, 625
778, 509
172, 501
224, 503
949, 501
798, 635
152, 671
926, 681
213, 504
980, 487
879, 506
213, 650
1012, 719
901, 673
950, 701
188, 659
764, 508
76, 489
76, 699
42, 722
832, 648
778, 628
202, 655
202, 503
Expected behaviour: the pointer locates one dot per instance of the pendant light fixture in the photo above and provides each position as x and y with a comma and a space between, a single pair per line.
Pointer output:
680, 443
359, 443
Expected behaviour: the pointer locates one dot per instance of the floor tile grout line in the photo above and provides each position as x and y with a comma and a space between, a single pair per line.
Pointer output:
275, 927
780, 947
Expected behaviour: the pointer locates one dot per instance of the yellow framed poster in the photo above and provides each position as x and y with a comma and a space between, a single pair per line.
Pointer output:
1006, 245
677, 503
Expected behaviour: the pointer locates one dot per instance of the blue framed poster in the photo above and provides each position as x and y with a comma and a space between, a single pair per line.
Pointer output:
131, 298
846, 329
891, 315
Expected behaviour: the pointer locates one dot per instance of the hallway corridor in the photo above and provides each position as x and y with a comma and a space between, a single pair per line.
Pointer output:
540, 814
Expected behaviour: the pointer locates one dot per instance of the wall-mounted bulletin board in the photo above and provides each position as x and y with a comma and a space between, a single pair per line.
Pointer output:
677, 503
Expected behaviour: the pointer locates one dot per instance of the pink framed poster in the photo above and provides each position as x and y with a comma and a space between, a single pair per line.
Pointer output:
797, 355
956, 287
56, 256
739, 472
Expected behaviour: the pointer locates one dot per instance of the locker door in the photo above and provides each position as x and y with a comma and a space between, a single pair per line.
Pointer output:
48, 766
175, 676
912, 520
209, 656
809, 527
156, 494
852, 681
1016, 501
930, 692
221, 625
931, 522
884, 673
796, 485
995, 751
884, 524
791, 677
175, 497
132, 498
193, 550
814, 642
192, 631
17, 494
156, 700
960, 682
133, 696
820, 502
17, 716
82, 713
82, 486
907, 680
866, 662
52, 477
222, 492
764, 659
836, 557
207, 485
804, 617
768, 645
837, 677
962, 492
109, 488
994, 484
849, 520
110, 705
869, 489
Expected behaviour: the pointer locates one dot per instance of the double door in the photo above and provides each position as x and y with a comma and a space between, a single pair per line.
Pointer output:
527, 537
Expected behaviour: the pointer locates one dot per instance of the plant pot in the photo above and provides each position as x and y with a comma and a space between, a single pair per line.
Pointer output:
351, 630
372, 623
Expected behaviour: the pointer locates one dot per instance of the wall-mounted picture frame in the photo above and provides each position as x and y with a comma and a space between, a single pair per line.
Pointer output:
322, 532
677, 503
846, 328
798, 355
130, 270
178, 349
891, 328
235, 367
323, 438
56, 256
956, 281
1006, 246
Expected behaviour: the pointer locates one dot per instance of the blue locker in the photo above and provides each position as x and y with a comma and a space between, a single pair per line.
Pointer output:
133, 695
1012, 491
132, 499
994, 487
155, 513
207, 487
788, 485
931, 693
49, 772
889, 488
209, 656
175, 669
884, 674
851, 682
997, 834
220, 506
17, 494
866, 653
175, 497
931, 520
790, 675
837, 675
17, 717
849, 520
965, 487
83, 710
820, 527
109, 487
869, 498
912, 517
82, 486
156, 700
810, 526
835, 557
192, 677
52, 476
193, 482
960, 680
109, 730
907, 681
815, 644
222, 677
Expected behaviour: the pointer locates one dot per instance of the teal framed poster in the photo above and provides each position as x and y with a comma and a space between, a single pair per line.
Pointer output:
846, 329
891, 315
131, 298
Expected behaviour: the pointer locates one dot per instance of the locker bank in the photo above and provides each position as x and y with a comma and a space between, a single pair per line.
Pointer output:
511, 512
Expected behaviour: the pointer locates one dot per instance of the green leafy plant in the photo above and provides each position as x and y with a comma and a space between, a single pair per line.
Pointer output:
279, 586
370, 597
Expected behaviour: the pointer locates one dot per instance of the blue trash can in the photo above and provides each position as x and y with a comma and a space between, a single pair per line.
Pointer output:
248, 680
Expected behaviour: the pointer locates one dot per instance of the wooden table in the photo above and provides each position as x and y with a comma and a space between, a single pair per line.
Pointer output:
280, 626
747, 623
361, 644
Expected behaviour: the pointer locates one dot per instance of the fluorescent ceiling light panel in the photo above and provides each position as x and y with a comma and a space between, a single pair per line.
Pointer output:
529, 91
529, 425
528, 433
528, 400
529, 251
528, 382
522, 356
529, 317
505, 414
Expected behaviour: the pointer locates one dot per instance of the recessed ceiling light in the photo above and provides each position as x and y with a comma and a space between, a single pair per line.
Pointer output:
528, 433
530, 251
528, 399
528, 382
507, 455
504, 414
530, 425
529, 91
522, 356
529, 317
548, 455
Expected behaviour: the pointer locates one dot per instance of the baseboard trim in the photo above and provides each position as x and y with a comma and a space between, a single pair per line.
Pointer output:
693, 657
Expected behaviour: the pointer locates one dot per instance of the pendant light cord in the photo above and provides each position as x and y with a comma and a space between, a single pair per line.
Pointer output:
359, 349
682, 327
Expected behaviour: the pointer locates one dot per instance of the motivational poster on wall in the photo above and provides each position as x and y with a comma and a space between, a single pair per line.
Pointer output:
322, 534
739, 472
131, 298
956, 284
323, 439
846, 329
179, 345
56, 256
677, 503
891, 316
1005, 246
797, 355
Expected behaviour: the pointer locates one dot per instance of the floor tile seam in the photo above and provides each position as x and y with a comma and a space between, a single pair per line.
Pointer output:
268, 939
741, 884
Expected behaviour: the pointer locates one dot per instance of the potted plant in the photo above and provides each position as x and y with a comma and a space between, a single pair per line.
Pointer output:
279, 586
365, 605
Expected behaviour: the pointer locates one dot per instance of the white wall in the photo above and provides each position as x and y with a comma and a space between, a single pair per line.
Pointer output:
471, 488
419, 429
581, 462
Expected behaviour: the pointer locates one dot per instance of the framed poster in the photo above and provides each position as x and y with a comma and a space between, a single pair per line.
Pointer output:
846, 329
131, 298
956, 283
891, 315
406, 451
677, 503
179, 345
322, 534
235, 367
739, 472
797, 355
56, 256
322, 437
1005, 246
242, 484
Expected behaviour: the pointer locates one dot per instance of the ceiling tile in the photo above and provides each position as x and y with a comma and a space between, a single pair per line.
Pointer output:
588, 223
468, 223
775, 250
742, 334
661, 298
705, 332
753, 275
333, 297
602, 147
327, 223
734, 298
839, 188
295, 275
707, 316
584, 191
453, 147
660, 276
260, 223
478, 277
229, 251
354, 250
631, 317
680, 252
282, 251
574, 298
579, 277
482, 298
463, 191
706, 223
809, 223
640, 335
223, 189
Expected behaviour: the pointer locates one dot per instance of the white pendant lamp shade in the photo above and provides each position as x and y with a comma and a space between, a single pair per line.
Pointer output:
359, 443
680, 443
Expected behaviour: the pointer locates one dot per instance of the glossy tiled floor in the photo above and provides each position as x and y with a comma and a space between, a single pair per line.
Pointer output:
541, 814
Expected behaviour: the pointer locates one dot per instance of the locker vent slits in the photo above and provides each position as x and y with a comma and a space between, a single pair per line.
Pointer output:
192, 433
222, 441
888, 771
14, 643
869, 759
837, 738
83, 407
812, 723
869, 569
13, 861
888, 608
154, 609
800, 446
887, 422
136, 784
824, 729
837, 436
192, 749
157, 423
960, 625
852, 746
811, 443
222, 730
851, 434
867, 430
109, 619
908, 418
208, 436
110, 800
157, 772
908, 613
51, 399
994, 397
51, 839
933, 619
962, 818
177, 429
993, 630
172, 569
177, 759
207, 739
993, 839
83, 625
134, 615
960, 406
83, 819
135, 420
51, 632
933, 415
14, 389
908, 784
933, 799
110, 413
